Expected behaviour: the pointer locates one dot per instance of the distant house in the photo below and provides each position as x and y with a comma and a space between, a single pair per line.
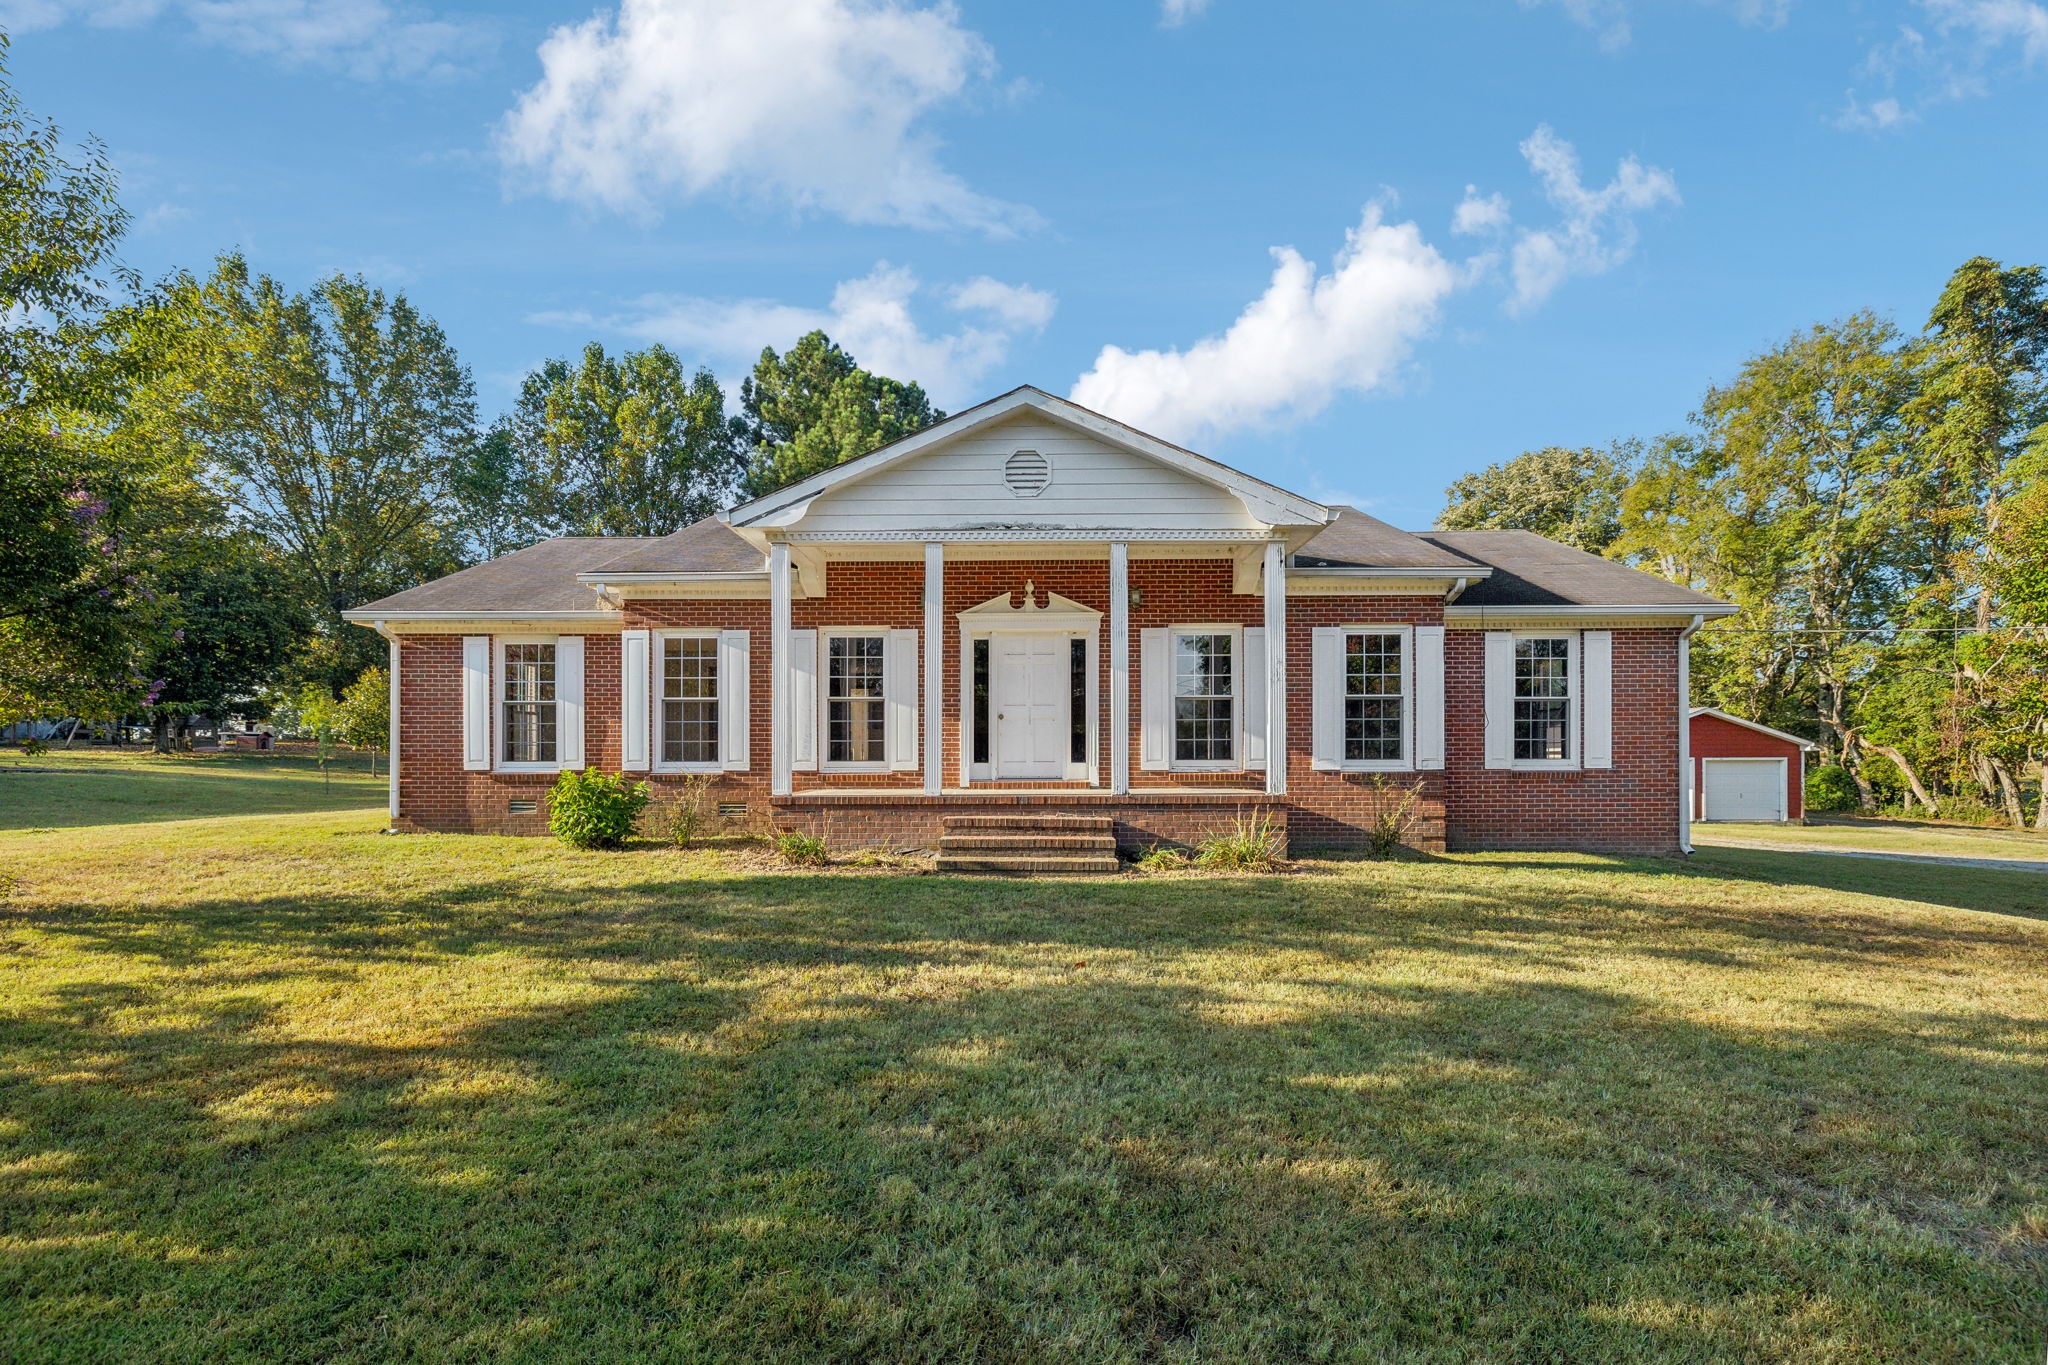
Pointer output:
1746, 771
1031, 609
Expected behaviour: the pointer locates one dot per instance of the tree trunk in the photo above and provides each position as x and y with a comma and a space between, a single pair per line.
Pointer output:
160, 733
1915, 792
2009, 796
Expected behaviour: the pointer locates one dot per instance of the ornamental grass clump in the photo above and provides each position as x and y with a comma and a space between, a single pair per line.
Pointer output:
1249, 845
591, 809
802, 850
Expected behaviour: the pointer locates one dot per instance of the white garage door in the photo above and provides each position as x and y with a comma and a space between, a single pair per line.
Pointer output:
1745, 788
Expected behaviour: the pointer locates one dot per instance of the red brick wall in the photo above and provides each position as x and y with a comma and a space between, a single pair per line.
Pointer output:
1713, 737
1331, 809
1631, 807
434, 791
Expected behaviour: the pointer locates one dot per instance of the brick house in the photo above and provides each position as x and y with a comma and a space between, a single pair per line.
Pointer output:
1031, 608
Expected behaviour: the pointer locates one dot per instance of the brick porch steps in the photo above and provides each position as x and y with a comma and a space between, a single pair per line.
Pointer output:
1024, 844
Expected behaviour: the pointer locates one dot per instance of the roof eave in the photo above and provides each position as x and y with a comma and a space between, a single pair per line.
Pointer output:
1711, 612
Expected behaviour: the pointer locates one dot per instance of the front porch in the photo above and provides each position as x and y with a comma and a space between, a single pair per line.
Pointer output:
910, 817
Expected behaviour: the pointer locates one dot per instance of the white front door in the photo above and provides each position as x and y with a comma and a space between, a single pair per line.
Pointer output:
1028, 691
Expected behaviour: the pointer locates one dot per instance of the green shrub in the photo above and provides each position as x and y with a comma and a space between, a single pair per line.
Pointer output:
1968, 810
1161, 858
1388, 832
1247, 846
1830, 788
802, 850
687, 817
591, 809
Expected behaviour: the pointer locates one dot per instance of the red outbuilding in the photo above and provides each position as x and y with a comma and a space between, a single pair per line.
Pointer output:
1745, 771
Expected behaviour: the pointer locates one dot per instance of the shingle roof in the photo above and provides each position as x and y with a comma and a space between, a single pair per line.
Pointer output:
1531, 571
538, 578
707, 546
1357, 541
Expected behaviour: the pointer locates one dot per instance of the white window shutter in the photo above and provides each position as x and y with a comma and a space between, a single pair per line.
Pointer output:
1500, 698
476, 702
634, 728
900, 663
734, 679
1596, 679
1251, 695
1326, 699
1429, 696
1155, 695
803, 700
569, 701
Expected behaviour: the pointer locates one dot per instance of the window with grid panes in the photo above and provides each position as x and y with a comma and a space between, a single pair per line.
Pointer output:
1375, 707
1543, 699
529, 703
689, 700
855, 721
1204, 698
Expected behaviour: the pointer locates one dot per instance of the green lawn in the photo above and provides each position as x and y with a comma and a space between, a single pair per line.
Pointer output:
78, 787
283, 1088
1889, 836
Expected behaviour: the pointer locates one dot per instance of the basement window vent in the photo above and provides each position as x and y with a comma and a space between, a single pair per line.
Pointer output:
1027, 473
732, 808
523, 808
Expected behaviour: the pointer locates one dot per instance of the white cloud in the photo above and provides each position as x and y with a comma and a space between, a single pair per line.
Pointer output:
1174, 13
1308, 338
817, 104
367, 39
1965, 43
871, 317
1477, 215
1598, 231
1608, 20
1018, 305
1312, 336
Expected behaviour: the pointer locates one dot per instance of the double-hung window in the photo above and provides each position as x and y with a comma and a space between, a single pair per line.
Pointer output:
1543, 699
688, 671
528, 703
856, 721
1375, 698
1204, 698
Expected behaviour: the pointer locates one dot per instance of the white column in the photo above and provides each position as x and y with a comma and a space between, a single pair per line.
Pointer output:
934, 667
1119, 668
391, 753
1685, 734
778, 671
1276, 668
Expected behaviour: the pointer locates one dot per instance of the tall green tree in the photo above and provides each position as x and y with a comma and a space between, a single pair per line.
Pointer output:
1571, 495
333, 420
1800, 500
71, 562
1984, 404
622, 445
233, 623
814, 407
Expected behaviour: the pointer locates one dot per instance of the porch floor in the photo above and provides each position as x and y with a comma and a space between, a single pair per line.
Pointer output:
1026, 796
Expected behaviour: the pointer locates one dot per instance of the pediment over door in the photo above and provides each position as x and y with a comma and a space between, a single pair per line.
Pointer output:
1005, 612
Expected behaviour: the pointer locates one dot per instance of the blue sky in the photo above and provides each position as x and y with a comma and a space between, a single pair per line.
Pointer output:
1356, 248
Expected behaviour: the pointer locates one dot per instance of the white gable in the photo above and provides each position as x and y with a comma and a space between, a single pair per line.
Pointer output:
1086, 483
1074, 472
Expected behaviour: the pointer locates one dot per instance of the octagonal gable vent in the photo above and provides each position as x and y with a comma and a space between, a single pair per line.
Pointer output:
1027, 473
